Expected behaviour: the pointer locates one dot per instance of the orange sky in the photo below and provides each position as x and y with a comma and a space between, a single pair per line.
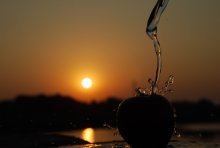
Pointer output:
49, 46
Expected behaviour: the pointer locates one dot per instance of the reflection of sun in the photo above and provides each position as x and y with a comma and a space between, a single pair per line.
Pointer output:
86, 82
88, 135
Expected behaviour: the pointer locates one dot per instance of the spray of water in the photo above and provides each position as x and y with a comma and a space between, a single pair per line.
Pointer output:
151, 31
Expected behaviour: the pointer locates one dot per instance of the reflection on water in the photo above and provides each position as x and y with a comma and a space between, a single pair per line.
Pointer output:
198, 127
191, 137
201, 131
94, 135
88, 134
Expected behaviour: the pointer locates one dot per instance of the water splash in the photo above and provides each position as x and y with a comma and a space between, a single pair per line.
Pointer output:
151, 31
162, 91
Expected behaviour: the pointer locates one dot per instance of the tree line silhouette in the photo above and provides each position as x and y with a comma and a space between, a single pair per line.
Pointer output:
43, 113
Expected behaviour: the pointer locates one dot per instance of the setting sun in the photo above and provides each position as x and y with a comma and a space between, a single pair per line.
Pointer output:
86, 83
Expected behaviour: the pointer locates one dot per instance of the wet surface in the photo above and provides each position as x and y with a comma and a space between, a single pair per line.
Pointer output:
187, 136
183, 138
185, 142
37, 140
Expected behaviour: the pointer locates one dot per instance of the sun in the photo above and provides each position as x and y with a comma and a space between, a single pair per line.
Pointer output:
86, 82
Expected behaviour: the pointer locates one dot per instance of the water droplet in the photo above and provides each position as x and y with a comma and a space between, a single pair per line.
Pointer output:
177, 134
116, 132
154, 89
150, 81
108, 126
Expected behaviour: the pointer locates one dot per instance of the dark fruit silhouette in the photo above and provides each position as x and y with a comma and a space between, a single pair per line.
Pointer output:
146, 121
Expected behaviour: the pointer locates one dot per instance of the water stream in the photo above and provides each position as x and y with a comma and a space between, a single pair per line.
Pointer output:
151, 31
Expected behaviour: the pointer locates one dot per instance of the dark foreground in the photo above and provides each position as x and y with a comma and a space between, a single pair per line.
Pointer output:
183, 142
37, 140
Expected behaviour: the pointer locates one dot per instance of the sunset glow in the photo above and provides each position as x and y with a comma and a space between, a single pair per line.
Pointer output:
48, 47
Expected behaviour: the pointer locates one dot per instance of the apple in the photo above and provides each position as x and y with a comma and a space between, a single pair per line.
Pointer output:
146, 121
